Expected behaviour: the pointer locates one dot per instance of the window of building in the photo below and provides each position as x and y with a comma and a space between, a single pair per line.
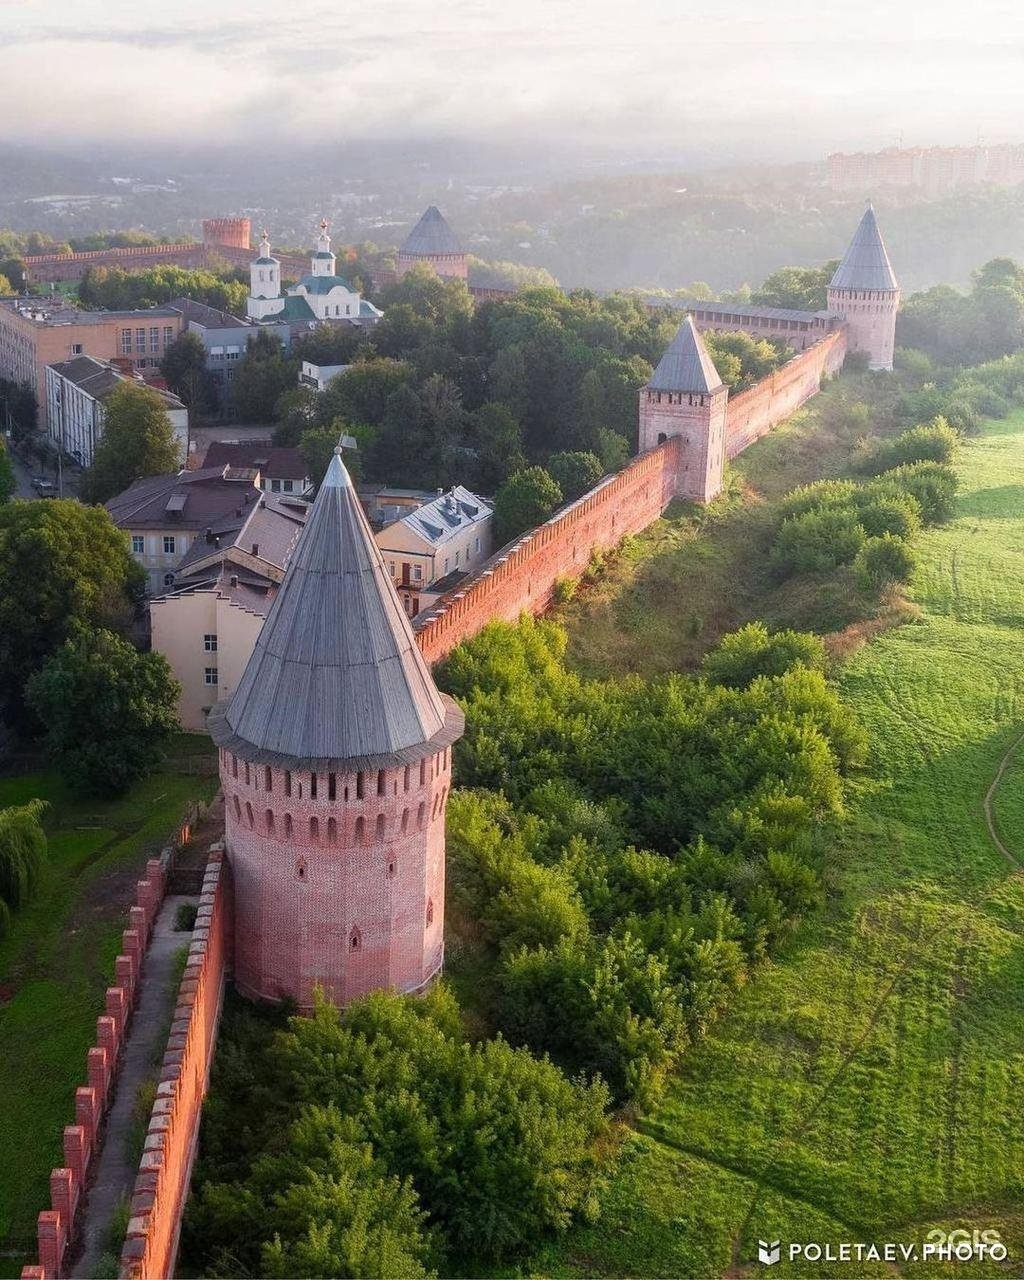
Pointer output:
380, 826
76, 348
287, 782
168, 544
275, 486
391, 567
209, 675
268, 779
360, 785
417, 573
458, 556
168, 334
312, 786
332, 831
332, 786
126, 342
154, 341
210, 643
140, 341
477, 546
382, 782
287, 485
314, 828
430, 912
138, 544
168, 579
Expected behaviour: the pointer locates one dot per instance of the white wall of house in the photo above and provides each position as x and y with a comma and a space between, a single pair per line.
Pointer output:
207, 641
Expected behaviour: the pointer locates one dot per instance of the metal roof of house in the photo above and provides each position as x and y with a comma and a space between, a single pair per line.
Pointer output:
284, 462
431, 235
323, 284
209, 496
686, 364
207, 317
444, 517
335, 678
865, 264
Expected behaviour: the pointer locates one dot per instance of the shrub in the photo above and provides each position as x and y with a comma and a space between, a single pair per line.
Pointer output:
820, 496
883, 561
880, 512
754, 651
935, 441
932, 484
22, 855
185, 916
817, 541
525, 500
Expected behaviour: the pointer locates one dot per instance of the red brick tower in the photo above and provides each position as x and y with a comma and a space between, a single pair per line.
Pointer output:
865, 292
434, 242
335, 761
686, 398
233, 233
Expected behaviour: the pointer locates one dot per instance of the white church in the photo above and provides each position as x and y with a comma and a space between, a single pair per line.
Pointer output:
322, 295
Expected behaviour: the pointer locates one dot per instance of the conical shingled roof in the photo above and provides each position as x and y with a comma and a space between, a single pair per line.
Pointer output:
686, 364
335, 675
431, 235
865, 264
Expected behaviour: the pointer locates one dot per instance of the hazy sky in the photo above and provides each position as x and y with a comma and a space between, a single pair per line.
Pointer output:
792, 76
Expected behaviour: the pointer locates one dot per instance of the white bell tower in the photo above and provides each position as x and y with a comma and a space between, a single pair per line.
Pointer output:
323, 258
264, 283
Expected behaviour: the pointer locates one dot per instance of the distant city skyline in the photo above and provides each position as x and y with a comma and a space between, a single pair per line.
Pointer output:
788, 81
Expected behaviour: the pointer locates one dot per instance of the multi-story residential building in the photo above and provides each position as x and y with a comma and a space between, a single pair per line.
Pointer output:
164, 515
76, 394
281, 469
36, 332
224, 337
206, 626
449, 536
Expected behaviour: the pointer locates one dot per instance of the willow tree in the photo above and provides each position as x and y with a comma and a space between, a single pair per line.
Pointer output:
22, 856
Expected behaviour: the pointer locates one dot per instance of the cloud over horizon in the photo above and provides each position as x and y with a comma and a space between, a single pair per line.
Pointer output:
790, 80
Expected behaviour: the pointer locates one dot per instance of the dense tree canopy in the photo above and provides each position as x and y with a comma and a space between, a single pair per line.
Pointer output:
524, 500
61, 564
967, 328
184, 367
22, 856
114, 289
106, 710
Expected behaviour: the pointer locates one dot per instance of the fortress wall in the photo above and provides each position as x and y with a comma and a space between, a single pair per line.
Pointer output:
57, 267
161, 1186
84, 1138
522, 575
754, 412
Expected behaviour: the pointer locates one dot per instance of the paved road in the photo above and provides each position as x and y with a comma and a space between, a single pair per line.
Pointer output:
24, 471
113, 1175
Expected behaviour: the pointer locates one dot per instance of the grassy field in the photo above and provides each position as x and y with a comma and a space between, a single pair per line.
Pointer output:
868, 1086
671, 592
55, 965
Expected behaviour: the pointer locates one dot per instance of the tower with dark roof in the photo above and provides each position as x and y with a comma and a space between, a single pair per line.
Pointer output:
335, 763
865, 292
433, 242
686, 398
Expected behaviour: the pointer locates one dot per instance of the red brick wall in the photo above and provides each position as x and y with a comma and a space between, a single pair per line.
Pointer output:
521, 576
158, 1199
343, 892
753, 413
82, 1140
56, 267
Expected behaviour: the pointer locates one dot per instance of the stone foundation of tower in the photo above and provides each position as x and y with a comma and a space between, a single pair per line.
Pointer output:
870, 317
698, 421
338, 877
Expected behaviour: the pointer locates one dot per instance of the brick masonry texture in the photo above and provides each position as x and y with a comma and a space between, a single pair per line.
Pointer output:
82, 1139
161, 1186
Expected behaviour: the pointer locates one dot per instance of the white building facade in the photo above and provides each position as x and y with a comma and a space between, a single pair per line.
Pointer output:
321, 295
75, 394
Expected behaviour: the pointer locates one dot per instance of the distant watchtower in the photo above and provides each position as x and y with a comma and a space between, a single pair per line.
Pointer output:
864, 291
686, 398
335, 763
432, 241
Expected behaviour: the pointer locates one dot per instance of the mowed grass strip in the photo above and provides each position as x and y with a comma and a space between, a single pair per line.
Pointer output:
55, 965
868, 1085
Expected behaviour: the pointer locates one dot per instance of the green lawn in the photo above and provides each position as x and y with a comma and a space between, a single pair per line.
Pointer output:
54, 967
869, 1085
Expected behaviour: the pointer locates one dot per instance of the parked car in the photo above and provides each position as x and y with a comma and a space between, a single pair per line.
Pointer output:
45, 488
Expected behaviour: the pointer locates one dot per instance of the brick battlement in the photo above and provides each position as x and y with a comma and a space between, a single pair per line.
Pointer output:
82, 1139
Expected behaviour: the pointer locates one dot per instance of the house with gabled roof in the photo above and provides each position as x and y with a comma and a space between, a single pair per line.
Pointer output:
449, 536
